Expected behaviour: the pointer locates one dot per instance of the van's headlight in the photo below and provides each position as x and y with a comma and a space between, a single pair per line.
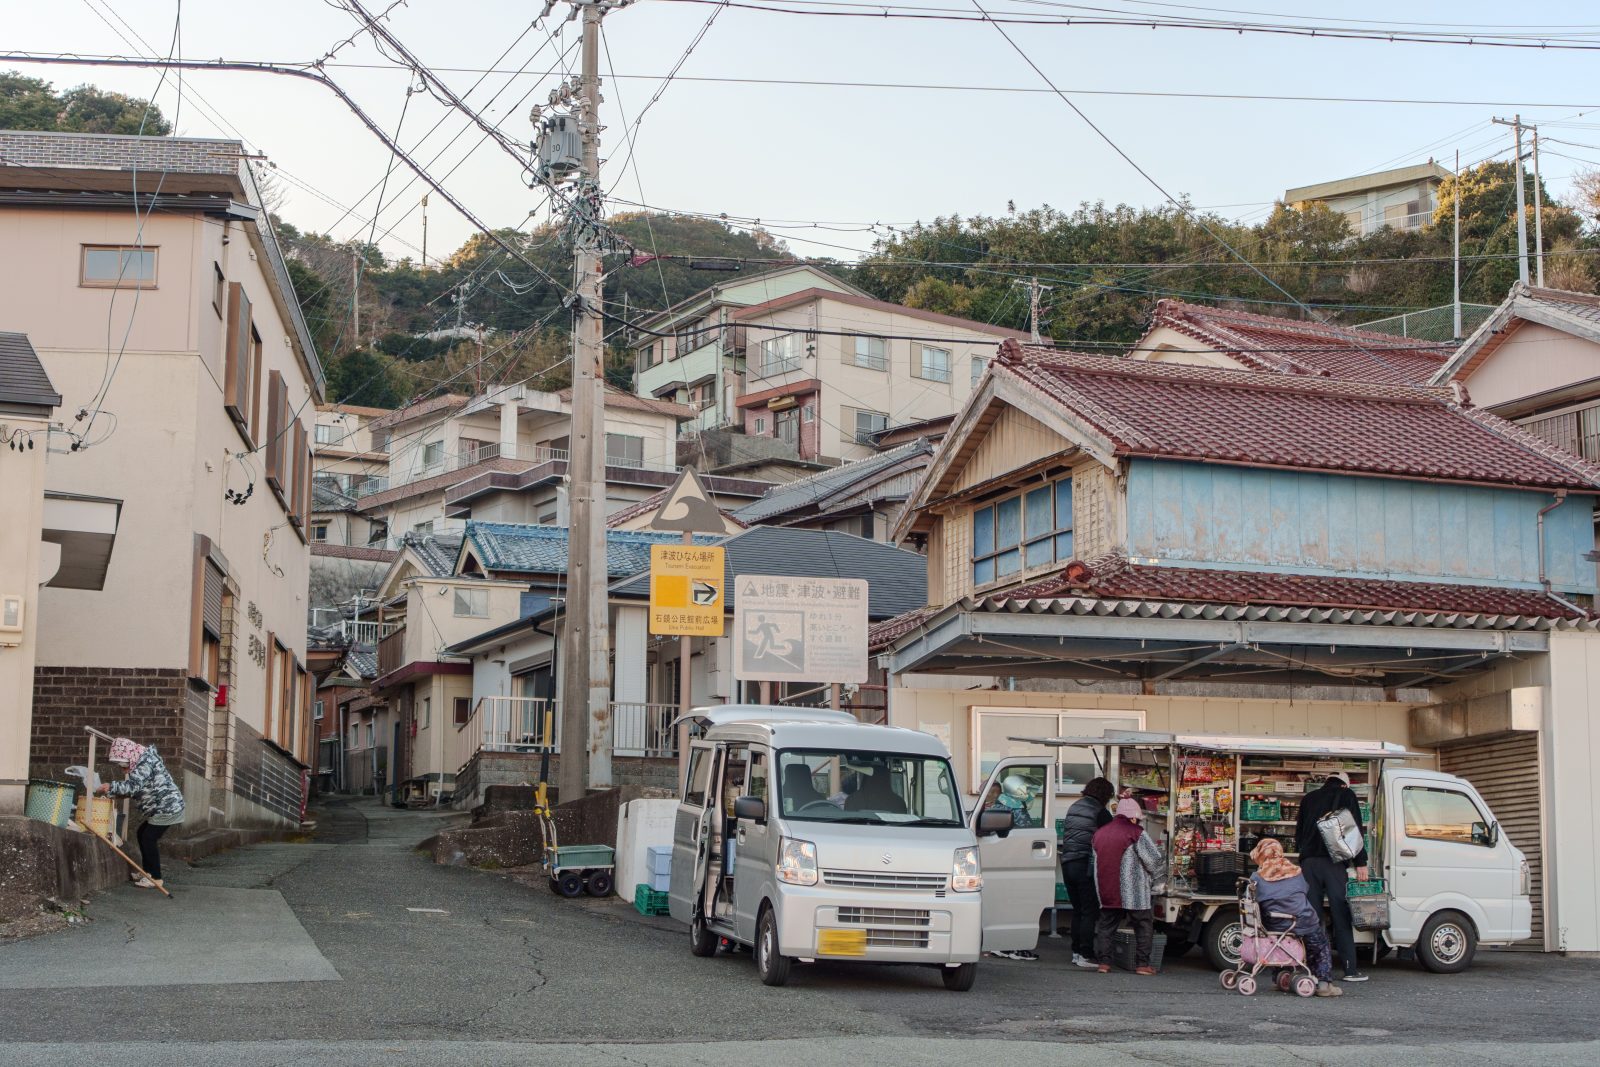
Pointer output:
1527, 879
966, 875
797, 862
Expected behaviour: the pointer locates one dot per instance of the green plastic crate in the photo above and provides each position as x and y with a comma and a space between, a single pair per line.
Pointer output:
576, 857
1260, 808
647, 901
1372, 887
1061, 894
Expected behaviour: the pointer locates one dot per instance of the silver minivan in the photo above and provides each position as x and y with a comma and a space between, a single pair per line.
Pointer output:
807, 835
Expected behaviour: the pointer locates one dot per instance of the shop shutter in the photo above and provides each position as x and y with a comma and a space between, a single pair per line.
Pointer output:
236, 345
1506, 772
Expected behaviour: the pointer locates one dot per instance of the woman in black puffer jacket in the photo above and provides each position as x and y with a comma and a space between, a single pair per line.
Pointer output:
1087, 814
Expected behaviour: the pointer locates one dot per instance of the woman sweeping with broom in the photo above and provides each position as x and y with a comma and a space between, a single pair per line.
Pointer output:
160, 800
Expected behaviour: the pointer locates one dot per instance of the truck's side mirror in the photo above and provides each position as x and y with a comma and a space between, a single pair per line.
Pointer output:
1486, 834
995, 822
753, 808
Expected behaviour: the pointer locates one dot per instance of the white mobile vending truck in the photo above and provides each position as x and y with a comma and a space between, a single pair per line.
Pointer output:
1453, 880
807, 835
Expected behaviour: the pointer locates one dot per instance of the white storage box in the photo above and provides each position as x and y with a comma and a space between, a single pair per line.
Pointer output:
640, 825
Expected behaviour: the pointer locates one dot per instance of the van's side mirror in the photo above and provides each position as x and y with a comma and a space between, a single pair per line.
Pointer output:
753, 808
1486, 834
995, 822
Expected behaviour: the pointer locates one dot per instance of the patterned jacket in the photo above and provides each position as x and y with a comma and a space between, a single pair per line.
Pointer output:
1137, 861
151, 785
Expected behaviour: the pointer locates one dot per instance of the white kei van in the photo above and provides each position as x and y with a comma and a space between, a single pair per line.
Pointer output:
808, 836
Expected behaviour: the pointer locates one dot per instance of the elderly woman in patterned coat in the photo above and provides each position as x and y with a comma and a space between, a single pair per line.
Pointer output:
160, 800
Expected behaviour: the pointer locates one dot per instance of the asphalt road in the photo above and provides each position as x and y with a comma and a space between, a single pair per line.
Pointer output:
353, 948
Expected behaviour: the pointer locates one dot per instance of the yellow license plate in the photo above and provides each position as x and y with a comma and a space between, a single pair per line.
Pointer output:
841, 942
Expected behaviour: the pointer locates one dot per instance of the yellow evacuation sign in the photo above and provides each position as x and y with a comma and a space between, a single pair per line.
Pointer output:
686, 590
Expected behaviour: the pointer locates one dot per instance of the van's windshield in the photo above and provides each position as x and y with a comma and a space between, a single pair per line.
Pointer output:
867, 787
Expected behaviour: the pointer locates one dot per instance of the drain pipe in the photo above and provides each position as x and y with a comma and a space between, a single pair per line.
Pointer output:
1544, 577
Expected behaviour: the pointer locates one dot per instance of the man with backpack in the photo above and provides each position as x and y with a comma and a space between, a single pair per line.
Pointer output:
1326, 876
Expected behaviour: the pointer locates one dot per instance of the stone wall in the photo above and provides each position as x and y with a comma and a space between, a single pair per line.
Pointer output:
516, 768
265, 776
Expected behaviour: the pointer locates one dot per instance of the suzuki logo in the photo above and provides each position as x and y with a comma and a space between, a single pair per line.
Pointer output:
888, 858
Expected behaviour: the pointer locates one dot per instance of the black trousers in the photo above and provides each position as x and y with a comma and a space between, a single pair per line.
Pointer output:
1325, 877
1079, 878
1143, 922
149, 851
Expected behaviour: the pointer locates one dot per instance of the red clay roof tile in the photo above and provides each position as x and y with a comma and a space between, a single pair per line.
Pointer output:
1206, 414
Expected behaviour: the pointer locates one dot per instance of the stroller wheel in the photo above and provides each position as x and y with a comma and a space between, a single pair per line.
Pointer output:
1247, 985
1229, 980
1305, 986
1285, 981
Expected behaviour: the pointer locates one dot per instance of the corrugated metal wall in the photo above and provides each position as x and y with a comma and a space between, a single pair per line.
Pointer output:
1361, 527
1506, 772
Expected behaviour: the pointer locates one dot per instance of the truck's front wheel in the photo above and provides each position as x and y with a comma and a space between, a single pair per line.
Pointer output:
1448, 943
1221, 938
959, 979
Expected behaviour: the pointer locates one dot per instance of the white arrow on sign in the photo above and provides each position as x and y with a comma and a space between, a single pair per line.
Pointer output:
704, 594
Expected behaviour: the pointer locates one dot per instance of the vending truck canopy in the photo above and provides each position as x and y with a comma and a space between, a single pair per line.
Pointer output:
1331, 747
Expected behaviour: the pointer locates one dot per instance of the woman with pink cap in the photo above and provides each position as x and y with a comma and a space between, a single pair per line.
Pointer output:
1126, 863
160, 800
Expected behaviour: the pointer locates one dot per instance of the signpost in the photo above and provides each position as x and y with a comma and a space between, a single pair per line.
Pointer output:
686, 590
788, 629
686, 596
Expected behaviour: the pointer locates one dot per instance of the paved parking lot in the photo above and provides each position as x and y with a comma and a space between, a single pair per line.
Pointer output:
395, 960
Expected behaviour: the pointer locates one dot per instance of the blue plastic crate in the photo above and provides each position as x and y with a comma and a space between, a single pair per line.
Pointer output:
659, 859
661, 882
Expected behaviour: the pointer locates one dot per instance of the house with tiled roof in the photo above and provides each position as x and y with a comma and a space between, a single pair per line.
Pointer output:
517, 677
1205, 336
1130, 544
502, 454
862, 497
1536, 361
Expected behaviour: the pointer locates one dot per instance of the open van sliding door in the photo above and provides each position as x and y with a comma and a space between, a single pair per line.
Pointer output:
691, 833
1019, 869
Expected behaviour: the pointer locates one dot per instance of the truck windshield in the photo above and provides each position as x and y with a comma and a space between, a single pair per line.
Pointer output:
867, 787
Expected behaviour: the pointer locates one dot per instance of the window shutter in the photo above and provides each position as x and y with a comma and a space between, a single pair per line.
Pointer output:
197, 659
211, 601
272, 673
276, 410
255, 388
236, 345
297, 480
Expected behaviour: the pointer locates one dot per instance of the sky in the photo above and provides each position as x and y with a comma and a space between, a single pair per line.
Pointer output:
853, 160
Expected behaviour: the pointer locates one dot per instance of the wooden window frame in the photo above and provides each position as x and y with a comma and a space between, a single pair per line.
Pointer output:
1026, 538
461, 710
85, 282
271, 695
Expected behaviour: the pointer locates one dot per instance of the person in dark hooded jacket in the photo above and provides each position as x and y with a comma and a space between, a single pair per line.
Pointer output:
1086, 815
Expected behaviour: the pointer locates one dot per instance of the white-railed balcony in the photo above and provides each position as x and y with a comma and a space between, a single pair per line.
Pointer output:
532, 725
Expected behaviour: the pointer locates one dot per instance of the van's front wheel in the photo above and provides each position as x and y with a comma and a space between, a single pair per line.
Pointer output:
959, 979
702, 942
771, 964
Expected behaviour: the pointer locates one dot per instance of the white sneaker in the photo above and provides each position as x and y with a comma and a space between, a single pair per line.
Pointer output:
144, 882
1086, 964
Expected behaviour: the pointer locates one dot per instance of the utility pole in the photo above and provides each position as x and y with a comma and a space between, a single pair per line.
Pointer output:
355, 297
1455, 257
1035, 291
1515, 122
1538, 215
586, 727
424, 231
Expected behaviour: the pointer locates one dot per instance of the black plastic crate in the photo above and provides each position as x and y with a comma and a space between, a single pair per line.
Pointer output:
1219, 872
1123, 950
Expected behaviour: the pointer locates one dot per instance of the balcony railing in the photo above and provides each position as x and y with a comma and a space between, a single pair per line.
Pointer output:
365, 633
532, 725
368, 486
644, 729
1577, 431
392, 651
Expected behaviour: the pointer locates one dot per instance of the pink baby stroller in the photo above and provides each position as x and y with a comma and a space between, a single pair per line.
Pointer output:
1262, 949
